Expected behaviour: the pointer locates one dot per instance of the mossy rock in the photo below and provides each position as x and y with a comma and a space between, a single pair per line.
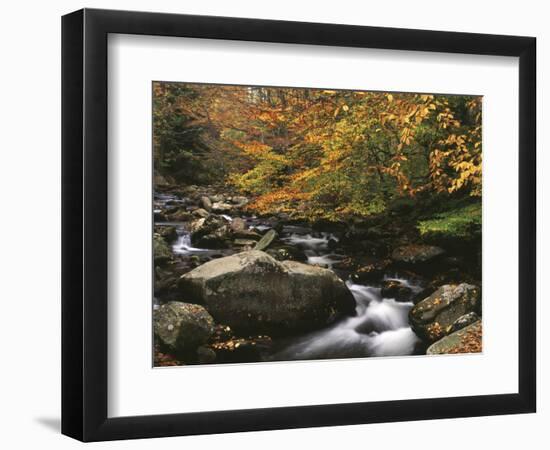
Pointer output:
465, 340
182, 327
456, 226
161, 250
254, 293
433, 317
416, 254
167, 232
266, 240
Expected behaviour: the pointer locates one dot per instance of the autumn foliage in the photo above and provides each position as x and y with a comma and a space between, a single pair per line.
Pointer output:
323, 153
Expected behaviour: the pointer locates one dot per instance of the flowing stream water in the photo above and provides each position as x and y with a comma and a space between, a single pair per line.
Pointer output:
380, 326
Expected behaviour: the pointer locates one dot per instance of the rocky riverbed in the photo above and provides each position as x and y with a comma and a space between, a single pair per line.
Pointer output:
232, 286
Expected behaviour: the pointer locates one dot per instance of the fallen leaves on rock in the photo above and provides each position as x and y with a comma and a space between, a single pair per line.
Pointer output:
470, 341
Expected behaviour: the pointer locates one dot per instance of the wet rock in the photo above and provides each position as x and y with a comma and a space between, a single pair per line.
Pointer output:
287, 252
244, 243
447, 277
205, 355
416, 253
174, 202
182, 327
165, 281
365, 232
160, 181
206, 203
214, 241
180, 215
396, 290
210, 232
216, 198
239, 201
221, 207
167, 232
251, 291
238, 225
161, 251
371, 271
463, 321
191, 189
266, 240
432, 317
465, 340
201, 212
247, 234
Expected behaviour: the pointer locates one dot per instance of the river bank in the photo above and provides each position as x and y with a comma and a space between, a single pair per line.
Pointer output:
384, 290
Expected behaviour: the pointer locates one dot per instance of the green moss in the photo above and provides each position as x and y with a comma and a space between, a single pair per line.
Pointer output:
462, 222
161, 251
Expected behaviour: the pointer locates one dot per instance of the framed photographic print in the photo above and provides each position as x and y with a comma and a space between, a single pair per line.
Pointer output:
274, 224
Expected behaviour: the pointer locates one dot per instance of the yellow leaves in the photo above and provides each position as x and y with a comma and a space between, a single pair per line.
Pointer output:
407, 135
343, 148
253, 148
280, 199
387, 117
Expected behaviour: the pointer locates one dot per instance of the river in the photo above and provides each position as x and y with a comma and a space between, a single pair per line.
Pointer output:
380, 326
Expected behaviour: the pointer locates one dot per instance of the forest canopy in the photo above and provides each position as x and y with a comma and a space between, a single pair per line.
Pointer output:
328, 154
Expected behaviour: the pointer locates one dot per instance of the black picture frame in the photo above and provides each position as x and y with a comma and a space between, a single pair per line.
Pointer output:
84, 224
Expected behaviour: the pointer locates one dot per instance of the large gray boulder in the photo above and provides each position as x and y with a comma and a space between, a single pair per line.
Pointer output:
433, 317
253, 292
182, 326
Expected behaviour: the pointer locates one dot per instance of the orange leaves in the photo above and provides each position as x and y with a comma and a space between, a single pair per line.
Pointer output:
253, 148
279, 200
315, 150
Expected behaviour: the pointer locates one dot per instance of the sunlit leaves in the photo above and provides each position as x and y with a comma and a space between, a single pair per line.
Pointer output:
336, 153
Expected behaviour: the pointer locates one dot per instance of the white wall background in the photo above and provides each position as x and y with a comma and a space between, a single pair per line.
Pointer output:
30, 229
